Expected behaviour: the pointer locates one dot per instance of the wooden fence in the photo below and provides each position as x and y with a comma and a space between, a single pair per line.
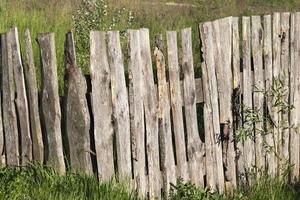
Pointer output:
148, 132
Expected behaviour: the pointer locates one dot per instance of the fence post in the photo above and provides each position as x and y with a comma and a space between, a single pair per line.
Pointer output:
50, 102
77, 117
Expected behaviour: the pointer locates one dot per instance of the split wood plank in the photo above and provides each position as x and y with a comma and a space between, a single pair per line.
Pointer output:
137, 125
237, 99
120, 105
150, 107
285, 70
2, 147
276, 72
8, 104
267, 57
102, 105
21, 99
50, 102
195, 146
77, 117
295, 96
249, 153
164, 120
176, 106
32, 92
258, 95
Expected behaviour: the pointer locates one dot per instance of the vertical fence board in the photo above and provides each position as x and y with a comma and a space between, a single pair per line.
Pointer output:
249, 158
102, 105
236, 100
295, 96
164, 120
195, 146
21, 100
77, 117
258, 96
267, 55
137, 126
120, 105
284, 70
176, 105
150, 107
276, 71
8, 104
50, 102
32, 92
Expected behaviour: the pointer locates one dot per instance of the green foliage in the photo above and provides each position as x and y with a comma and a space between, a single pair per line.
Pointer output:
37, 182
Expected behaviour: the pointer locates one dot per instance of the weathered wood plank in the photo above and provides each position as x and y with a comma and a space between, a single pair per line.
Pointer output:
284, 70
50, 102
164, 121
206, 32
195, 146
137, 125
2, 147
150, 107
176, 106
120, 105
276, 70
237, 99
21, 100
258, 96
102, 105
267, 54
8, 104
77, 117
32, 92
249, 156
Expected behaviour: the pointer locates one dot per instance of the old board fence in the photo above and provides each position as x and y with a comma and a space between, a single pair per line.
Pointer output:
148, 132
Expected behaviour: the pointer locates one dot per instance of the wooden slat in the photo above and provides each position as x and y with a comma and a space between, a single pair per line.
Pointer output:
102, 105
21, 100
120, 105
32, 91
284, 70
150, 107
249, 156
164, 120
206, 32
276, 70
295, 96
2, 147
77, 117
237, 99
137, 125
176, 105
258, 96
50, 102
267, 53
195, 146
8, 104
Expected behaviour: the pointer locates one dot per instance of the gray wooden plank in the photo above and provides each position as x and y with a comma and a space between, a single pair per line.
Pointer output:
120, 105
150, 107
50, 102
102, 105
32, 92
77, 117
137, 125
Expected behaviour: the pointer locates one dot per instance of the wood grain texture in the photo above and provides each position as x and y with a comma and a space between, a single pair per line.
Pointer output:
102, 105
258, 96
8, 104
21, 100
150, 107
176, 106
33, 103
77, 117
120, 105
50, 102
137, 125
